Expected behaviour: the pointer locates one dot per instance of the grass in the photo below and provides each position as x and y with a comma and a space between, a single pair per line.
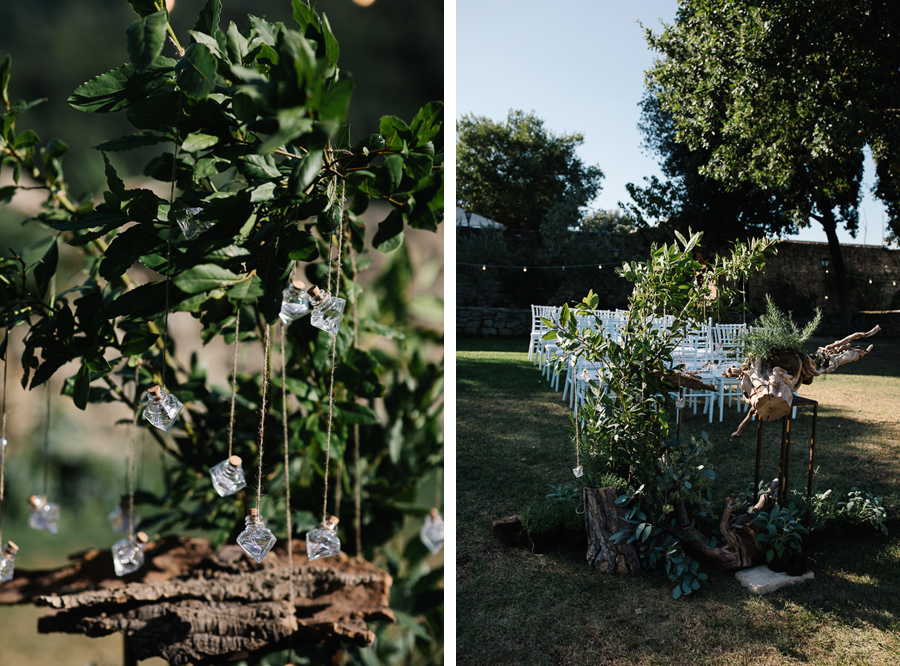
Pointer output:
517, 607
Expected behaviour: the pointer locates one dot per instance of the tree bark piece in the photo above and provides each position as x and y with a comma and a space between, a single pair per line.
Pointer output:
603, 519
190, 605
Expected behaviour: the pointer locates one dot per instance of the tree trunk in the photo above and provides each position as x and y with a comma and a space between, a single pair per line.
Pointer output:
603, 519
829, 224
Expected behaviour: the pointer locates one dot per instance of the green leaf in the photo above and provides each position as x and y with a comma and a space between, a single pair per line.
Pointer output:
390, 233
392, 172
336, 101
5, 67
260, 167
205, 277
82, 387
394, 131
146, 38
353, 412
138, 341
246, 290
197, 141
208, 20
121, 87
196, 72
146, 300
46, 268
131, 141
426, 124
301, 244
306, 171
143, 7
126, 249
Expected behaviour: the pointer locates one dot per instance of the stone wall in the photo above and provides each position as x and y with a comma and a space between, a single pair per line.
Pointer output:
796, 276
484, 322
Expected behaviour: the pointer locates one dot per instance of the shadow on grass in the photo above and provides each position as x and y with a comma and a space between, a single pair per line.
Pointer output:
515, 607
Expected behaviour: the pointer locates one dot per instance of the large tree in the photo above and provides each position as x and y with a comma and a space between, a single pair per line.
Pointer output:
514, 172
685, 199
786, 95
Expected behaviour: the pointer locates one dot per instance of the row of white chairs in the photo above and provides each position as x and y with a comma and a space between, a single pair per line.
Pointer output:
704, 352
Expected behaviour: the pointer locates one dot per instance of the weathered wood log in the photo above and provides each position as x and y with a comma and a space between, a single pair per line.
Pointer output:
739, 533
190, 605
602, 519
769, 384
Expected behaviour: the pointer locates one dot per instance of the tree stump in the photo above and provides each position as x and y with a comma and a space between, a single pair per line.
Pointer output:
602, 519
188, 604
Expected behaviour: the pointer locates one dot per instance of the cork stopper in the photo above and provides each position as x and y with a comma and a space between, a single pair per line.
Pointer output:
141, 537
332, 521
11, 547
234, 461
154, 390
314, 292
254, 512
35, 502
299, 285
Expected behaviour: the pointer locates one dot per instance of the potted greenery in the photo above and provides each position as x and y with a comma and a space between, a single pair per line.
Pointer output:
862, 514
783, 533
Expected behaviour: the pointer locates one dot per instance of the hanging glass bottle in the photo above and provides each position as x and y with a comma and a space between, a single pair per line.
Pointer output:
432, 532
186, 217
44, 514
256, 539
323, 541
128, 554
228, 476
161, 408
327, 310
120, 517
7, 561
294, 302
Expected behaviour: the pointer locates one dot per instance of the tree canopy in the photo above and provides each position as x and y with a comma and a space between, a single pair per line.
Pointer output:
514, 172
785, 96
687, 200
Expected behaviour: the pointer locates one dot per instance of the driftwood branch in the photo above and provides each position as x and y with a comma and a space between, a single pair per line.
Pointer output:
769, 384
190, 605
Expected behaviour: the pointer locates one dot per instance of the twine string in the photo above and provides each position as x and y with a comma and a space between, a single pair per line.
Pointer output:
47, 443
3, 437
357, 480
237, 336
262, 416
134, 430
169, 250
287, 484
337, 287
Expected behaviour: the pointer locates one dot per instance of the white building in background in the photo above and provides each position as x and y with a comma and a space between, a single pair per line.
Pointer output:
466, 218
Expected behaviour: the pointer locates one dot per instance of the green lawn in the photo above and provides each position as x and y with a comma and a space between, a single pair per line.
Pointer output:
517, 607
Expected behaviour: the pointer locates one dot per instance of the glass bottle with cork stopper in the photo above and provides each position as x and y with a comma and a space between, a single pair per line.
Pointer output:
323, 541
228, 476
327, 310
7, 561
44, 514
128, 554
294, 302
256, 539
162, 408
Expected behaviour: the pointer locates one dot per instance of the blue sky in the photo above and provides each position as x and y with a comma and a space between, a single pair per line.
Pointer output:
579, 65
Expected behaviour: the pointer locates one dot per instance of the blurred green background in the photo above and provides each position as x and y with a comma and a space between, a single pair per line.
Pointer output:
392, 49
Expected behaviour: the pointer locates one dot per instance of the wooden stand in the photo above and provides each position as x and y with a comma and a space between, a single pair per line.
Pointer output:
784, 457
